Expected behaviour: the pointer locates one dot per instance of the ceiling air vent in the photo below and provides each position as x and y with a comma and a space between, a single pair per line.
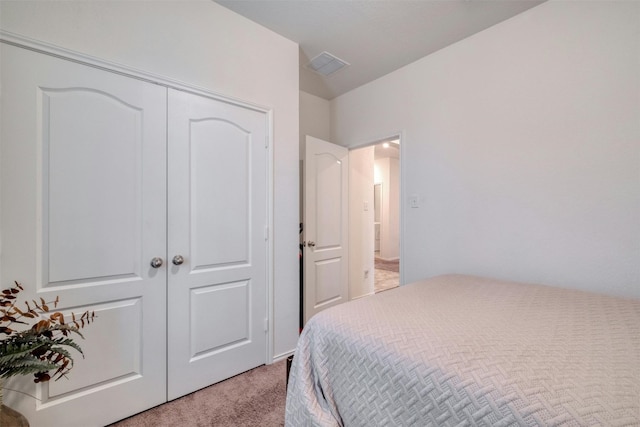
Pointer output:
326, 64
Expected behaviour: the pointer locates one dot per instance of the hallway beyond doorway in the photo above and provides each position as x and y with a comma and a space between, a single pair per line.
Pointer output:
386, 274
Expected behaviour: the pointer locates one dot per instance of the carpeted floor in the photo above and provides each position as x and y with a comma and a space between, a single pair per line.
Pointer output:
382, 264
386, 274
384, 280
255, 398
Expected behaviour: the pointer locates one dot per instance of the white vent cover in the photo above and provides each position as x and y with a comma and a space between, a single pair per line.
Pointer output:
326, 64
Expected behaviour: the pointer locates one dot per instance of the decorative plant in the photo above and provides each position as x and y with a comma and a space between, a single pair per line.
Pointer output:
44, 346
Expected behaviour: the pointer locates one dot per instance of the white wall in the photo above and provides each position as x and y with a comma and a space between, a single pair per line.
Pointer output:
315, 119
361, 237
203, 44
523, 144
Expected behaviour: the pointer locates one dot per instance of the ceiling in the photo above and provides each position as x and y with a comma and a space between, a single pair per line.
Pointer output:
387, 149
375, 37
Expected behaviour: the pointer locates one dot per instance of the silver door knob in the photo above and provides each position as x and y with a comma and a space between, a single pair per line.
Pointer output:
177, 260
156, 262
311, 244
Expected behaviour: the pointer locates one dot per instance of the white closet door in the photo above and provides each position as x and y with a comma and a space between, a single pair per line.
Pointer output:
217, 219
83, 173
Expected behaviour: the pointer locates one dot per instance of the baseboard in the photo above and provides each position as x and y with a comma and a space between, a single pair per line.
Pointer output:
281, 356
362, 296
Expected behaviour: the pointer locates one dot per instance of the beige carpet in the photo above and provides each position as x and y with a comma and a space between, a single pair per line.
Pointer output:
385, 280
382, 264
255, 398
386, 274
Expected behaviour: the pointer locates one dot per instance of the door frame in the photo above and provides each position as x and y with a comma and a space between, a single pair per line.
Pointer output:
371, 142
105, 65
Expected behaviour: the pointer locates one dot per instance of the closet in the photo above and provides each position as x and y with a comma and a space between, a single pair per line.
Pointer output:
147, 204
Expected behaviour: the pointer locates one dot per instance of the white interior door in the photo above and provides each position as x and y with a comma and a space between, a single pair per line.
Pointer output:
326, 213
217, 225
83, 174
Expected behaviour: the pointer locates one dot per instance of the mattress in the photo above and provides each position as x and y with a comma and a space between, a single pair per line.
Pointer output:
467, 351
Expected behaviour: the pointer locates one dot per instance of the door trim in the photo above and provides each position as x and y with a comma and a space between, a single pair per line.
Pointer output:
38, 46
113, 67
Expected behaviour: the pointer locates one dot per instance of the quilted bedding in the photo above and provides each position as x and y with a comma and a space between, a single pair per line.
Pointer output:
467, 351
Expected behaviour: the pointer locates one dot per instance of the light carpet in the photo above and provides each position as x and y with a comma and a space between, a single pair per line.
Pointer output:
385, 280
383, 264
255, 398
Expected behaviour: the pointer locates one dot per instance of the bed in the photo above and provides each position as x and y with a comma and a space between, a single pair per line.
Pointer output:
467, 351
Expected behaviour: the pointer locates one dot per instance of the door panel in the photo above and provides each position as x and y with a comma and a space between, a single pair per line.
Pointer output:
214, 305
83, 212
328, 200
79, 140
328, 273
217, 216
325, 218
100, 344
220, 162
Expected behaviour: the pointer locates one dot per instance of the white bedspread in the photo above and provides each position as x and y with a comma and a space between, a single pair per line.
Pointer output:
466, 351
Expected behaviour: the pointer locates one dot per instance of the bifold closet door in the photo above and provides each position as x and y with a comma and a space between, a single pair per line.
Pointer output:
83, 187
217, 244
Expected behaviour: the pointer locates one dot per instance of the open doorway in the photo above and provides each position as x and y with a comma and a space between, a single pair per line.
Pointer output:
374, 218
386, 196
338, 250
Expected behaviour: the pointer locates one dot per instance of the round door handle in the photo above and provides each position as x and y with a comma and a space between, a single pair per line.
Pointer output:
311, 244
156, 262
177, 260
